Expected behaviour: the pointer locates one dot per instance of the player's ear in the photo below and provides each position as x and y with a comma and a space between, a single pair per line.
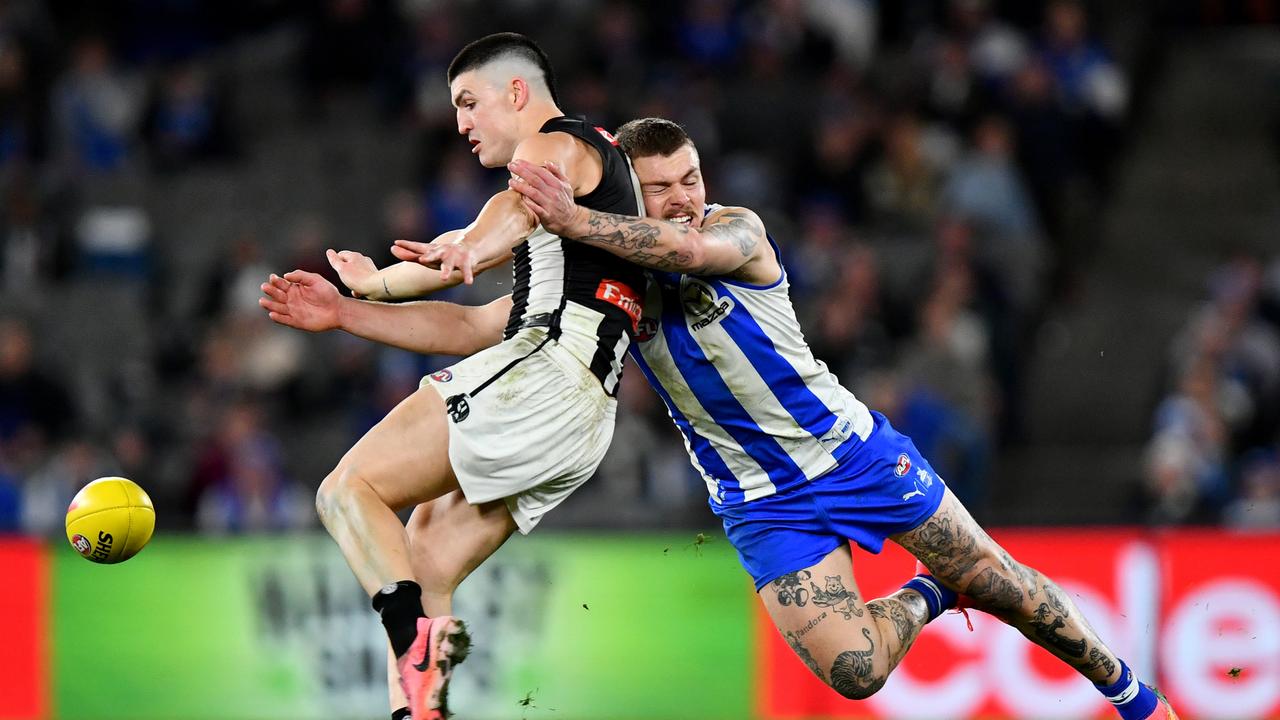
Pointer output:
519, 93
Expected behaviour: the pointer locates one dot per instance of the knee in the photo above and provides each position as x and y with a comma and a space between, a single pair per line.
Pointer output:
856, 688
333, 489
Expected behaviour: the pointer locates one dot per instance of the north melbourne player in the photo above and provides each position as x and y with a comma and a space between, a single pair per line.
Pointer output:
795, 465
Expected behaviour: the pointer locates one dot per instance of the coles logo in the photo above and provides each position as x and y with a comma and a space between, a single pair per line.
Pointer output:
607, 135
81, 544
443, 376
646, 329
904, 465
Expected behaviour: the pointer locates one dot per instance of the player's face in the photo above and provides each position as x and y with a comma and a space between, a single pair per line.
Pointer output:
486, 116
672, 186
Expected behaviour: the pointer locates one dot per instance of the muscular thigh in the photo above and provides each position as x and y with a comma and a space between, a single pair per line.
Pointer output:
821, 615
405, 457
963, 556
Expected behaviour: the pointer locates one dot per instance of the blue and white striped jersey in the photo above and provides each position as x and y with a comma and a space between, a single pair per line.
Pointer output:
758, 412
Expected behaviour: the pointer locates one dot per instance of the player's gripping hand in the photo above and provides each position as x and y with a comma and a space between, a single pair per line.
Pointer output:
302, 300
448, 256
547, 193
356, 271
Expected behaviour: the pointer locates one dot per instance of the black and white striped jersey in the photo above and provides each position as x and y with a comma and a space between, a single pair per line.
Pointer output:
593, 295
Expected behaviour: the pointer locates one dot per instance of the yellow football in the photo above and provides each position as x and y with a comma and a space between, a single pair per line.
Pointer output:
110, 520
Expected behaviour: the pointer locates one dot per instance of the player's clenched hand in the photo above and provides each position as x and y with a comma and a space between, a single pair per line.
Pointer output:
448, 256
302, 300
356, 271
547, 194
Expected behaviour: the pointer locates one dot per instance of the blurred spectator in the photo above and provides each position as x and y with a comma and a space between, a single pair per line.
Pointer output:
232, 283
904, 184
709, 33
423, 74
97, 108
849, 332
241, 483
1258, 504
986, 190
21, 117
457, 193
35, 249
985, 187
1090, 86
48, 490
188, 118
1087, 78
35, 406
949, 355
117, 240
1186, 463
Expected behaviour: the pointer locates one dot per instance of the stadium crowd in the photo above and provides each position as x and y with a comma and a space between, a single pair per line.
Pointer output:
933, 171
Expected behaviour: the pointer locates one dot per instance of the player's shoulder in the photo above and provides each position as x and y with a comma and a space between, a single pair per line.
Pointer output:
543, 144
716, 213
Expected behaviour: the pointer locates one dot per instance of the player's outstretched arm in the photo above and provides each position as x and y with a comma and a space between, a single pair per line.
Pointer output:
731, 241
307, 301
405, 279
504, 222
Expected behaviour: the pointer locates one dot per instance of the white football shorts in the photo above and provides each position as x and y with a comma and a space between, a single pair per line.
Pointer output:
528, 423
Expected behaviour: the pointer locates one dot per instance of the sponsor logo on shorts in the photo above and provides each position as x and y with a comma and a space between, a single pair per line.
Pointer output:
621, 296
443, 376
904, 465
646, 329
81, 544
457, 407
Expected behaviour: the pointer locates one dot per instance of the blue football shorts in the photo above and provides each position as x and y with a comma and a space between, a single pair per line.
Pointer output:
884, 488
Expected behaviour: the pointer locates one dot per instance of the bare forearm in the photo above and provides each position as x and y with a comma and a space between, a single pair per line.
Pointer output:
428, 327
656, 244
410, 279
502, 224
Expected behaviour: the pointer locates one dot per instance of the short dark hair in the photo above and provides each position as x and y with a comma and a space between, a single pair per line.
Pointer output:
652, 136
501, 45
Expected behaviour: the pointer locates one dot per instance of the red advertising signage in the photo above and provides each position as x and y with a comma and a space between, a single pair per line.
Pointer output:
23, 605
1179, 608
1219, 647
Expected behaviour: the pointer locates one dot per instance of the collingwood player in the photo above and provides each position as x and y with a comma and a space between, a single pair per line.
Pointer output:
514, 428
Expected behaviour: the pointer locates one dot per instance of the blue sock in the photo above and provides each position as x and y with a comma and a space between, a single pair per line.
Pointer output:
1132, 699
936, 595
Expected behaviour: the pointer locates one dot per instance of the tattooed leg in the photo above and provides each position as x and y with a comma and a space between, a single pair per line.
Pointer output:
960, 554
848, 644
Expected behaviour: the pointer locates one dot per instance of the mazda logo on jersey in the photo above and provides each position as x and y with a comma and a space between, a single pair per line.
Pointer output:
700, 301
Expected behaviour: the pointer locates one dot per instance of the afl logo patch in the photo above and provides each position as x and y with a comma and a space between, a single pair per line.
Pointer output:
81, 544
458, 408
443, 376
904, 465
646, 329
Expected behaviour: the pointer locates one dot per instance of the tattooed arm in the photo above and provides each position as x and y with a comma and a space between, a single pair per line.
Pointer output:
730, 241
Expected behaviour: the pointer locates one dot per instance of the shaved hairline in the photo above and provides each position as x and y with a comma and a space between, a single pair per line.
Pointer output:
506, 67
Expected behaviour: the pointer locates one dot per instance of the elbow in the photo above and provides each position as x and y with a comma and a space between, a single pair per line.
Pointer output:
692, 258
